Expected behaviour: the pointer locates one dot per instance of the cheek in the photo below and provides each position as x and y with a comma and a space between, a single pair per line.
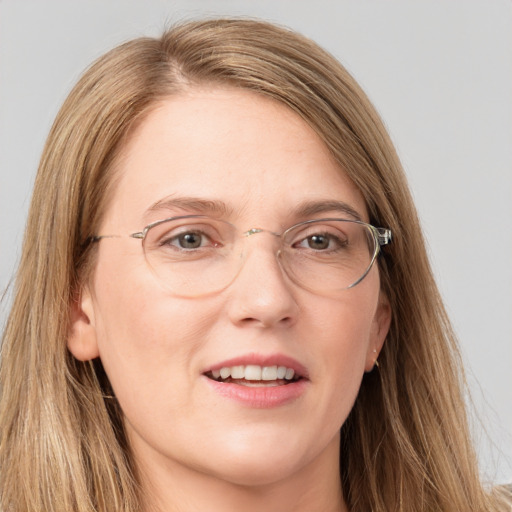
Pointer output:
345, 327
147, 340
133, 306
342, 343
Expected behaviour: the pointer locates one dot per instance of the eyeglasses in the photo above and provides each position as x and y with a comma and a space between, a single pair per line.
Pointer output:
196, 255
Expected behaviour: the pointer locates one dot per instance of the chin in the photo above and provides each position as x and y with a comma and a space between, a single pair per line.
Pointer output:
257, 474
259, 462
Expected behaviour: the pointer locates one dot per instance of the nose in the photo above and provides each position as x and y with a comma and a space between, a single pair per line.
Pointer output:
261, 294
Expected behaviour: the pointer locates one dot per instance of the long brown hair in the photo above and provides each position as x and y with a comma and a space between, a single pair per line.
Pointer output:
405, 445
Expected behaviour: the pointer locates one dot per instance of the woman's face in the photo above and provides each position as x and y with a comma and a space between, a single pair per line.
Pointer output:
259, 163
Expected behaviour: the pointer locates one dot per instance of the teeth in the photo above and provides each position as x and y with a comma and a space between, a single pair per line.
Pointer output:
289, 374
225, 372
254, 372
269, 373
238, 372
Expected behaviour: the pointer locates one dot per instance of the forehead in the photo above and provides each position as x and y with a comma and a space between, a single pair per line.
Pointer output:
232, 146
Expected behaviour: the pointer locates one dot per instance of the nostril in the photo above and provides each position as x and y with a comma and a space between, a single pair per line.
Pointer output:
267, 321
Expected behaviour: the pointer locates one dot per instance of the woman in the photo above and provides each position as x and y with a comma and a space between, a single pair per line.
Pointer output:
224, 300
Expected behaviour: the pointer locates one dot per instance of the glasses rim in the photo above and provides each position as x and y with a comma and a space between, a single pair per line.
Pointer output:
381, 237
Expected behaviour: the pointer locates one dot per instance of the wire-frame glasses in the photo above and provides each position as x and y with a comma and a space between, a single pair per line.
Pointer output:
196, 255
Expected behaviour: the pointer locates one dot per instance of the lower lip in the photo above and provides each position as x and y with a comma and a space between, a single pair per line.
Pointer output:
260, 397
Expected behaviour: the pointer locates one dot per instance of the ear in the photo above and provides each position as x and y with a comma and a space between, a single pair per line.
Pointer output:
379, 331
82, 338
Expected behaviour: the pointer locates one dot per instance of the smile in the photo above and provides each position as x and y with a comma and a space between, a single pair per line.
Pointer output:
258, 381
254, 375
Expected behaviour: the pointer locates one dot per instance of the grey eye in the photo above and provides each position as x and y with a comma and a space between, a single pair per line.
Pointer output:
189, 240
318, 242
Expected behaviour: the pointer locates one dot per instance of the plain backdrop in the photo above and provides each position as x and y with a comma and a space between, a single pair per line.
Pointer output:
440, 74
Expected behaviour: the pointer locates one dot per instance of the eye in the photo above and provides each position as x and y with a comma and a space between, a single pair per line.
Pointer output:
188, 240
318, 242
322, 242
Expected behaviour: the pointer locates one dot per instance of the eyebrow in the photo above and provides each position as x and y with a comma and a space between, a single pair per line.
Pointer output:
311, 208
192, 204
219, 208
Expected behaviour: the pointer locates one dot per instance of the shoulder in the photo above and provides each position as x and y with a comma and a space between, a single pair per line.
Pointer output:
505, 494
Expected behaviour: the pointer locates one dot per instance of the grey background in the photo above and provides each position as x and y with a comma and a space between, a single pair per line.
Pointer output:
440, 74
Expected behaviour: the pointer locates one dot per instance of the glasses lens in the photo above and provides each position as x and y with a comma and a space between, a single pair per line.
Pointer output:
195, 255
328, 256
191, 255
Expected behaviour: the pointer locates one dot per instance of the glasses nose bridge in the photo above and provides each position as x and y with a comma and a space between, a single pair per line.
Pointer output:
275, 249
256, 231
267, 257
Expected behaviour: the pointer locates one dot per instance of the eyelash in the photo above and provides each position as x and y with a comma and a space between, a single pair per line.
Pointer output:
332, 239
173, 240
176, 241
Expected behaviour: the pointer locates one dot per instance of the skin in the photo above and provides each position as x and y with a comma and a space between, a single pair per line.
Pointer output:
262, 160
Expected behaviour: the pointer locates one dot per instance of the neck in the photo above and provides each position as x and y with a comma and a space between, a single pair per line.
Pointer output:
172, 487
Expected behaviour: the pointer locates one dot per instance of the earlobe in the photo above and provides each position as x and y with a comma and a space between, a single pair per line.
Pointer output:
82, 339
380, 329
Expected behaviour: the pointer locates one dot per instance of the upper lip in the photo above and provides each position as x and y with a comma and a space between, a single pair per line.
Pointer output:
262, 360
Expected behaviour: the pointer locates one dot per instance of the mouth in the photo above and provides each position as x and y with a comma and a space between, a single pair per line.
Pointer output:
254, 375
